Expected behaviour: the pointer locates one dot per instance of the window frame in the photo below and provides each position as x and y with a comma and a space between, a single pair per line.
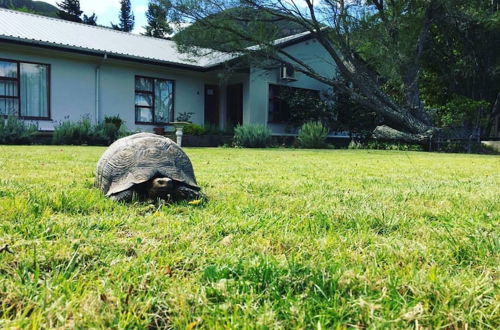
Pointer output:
269, 99
153, 96
18, 97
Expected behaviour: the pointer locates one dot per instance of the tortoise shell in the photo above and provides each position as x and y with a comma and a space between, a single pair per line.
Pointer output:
138, 158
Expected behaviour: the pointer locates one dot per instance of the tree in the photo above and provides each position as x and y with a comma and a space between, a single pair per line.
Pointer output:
30, 6
157, 15
126, 17
24, 10
90, 20
461, 79
399, 30
197, 34
70, 10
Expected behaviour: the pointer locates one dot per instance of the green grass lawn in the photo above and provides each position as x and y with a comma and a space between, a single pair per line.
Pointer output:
288, 239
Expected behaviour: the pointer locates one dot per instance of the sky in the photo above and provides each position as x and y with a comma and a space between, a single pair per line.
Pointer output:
107, 11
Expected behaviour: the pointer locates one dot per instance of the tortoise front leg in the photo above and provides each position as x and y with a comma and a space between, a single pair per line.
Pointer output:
186, 193
124, 196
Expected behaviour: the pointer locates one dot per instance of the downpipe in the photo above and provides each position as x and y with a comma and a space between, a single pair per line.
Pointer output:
98, 89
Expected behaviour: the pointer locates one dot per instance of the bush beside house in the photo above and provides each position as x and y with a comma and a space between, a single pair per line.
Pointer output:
252, 136
83, 132
312, 135
15, 131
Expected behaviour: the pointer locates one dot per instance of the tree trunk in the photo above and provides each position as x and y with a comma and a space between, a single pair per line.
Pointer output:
386, 133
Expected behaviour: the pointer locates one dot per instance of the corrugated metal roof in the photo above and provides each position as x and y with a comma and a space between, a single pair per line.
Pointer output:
46, 31
43, 30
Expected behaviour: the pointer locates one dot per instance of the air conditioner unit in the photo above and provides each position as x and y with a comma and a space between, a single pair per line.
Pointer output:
287, 72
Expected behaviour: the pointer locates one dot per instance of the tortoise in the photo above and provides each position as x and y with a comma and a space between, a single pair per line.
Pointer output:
146, 166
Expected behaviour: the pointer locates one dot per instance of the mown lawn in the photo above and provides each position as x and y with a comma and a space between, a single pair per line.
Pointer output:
288, 239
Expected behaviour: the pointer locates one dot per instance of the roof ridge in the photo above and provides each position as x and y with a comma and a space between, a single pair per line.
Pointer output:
110, 29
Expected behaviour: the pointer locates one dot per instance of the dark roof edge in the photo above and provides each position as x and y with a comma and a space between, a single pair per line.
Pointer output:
288, 43
297, 40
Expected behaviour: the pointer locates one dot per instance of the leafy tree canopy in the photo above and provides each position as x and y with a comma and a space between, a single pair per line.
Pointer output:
35, 7
250, 21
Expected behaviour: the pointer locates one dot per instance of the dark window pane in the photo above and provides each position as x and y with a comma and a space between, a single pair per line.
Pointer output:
145, 100
143, 115
143, 84
8, 88
278, 109
34, 90
9, 107
8, 69
164, 101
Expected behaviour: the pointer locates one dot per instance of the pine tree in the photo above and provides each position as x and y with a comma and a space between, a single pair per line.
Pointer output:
126, 17
90, 20
70, 10
156, 15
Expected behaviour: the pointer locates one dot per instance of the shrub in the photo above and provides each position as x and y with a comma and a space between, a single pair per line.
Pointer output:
312, 135
124, 131
103, 134
15, 131
194, 129
252, 136
355, 145
72, 133
83, 132
115, 120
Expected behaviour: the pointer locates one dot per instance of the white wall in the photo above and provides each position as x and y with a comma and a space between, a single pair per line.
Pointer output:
73, 86
72, 83
118, 85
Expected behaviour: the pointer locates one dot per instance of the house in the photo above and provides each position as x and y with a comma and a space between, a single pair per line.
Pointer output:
53, 70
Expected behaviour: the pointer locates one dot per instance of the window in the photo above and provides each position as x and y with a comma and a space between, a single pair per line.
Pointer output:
24, 89
278, 111
154, 100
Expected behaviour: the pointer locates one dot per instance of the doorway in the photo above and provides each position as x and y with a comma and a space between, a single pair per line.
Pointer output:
212, 106
234, 105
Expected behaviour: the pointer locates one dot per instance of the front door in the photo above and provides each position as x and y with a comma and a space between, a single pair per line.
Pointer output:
212, 106
234, 105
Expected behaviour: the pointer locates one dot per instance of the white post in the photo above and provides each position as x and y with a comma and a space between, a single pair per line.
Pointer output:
179, 134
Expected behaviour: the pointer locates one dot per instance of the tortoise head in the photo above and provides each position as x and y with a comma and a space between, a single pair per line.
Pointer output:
160, 188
